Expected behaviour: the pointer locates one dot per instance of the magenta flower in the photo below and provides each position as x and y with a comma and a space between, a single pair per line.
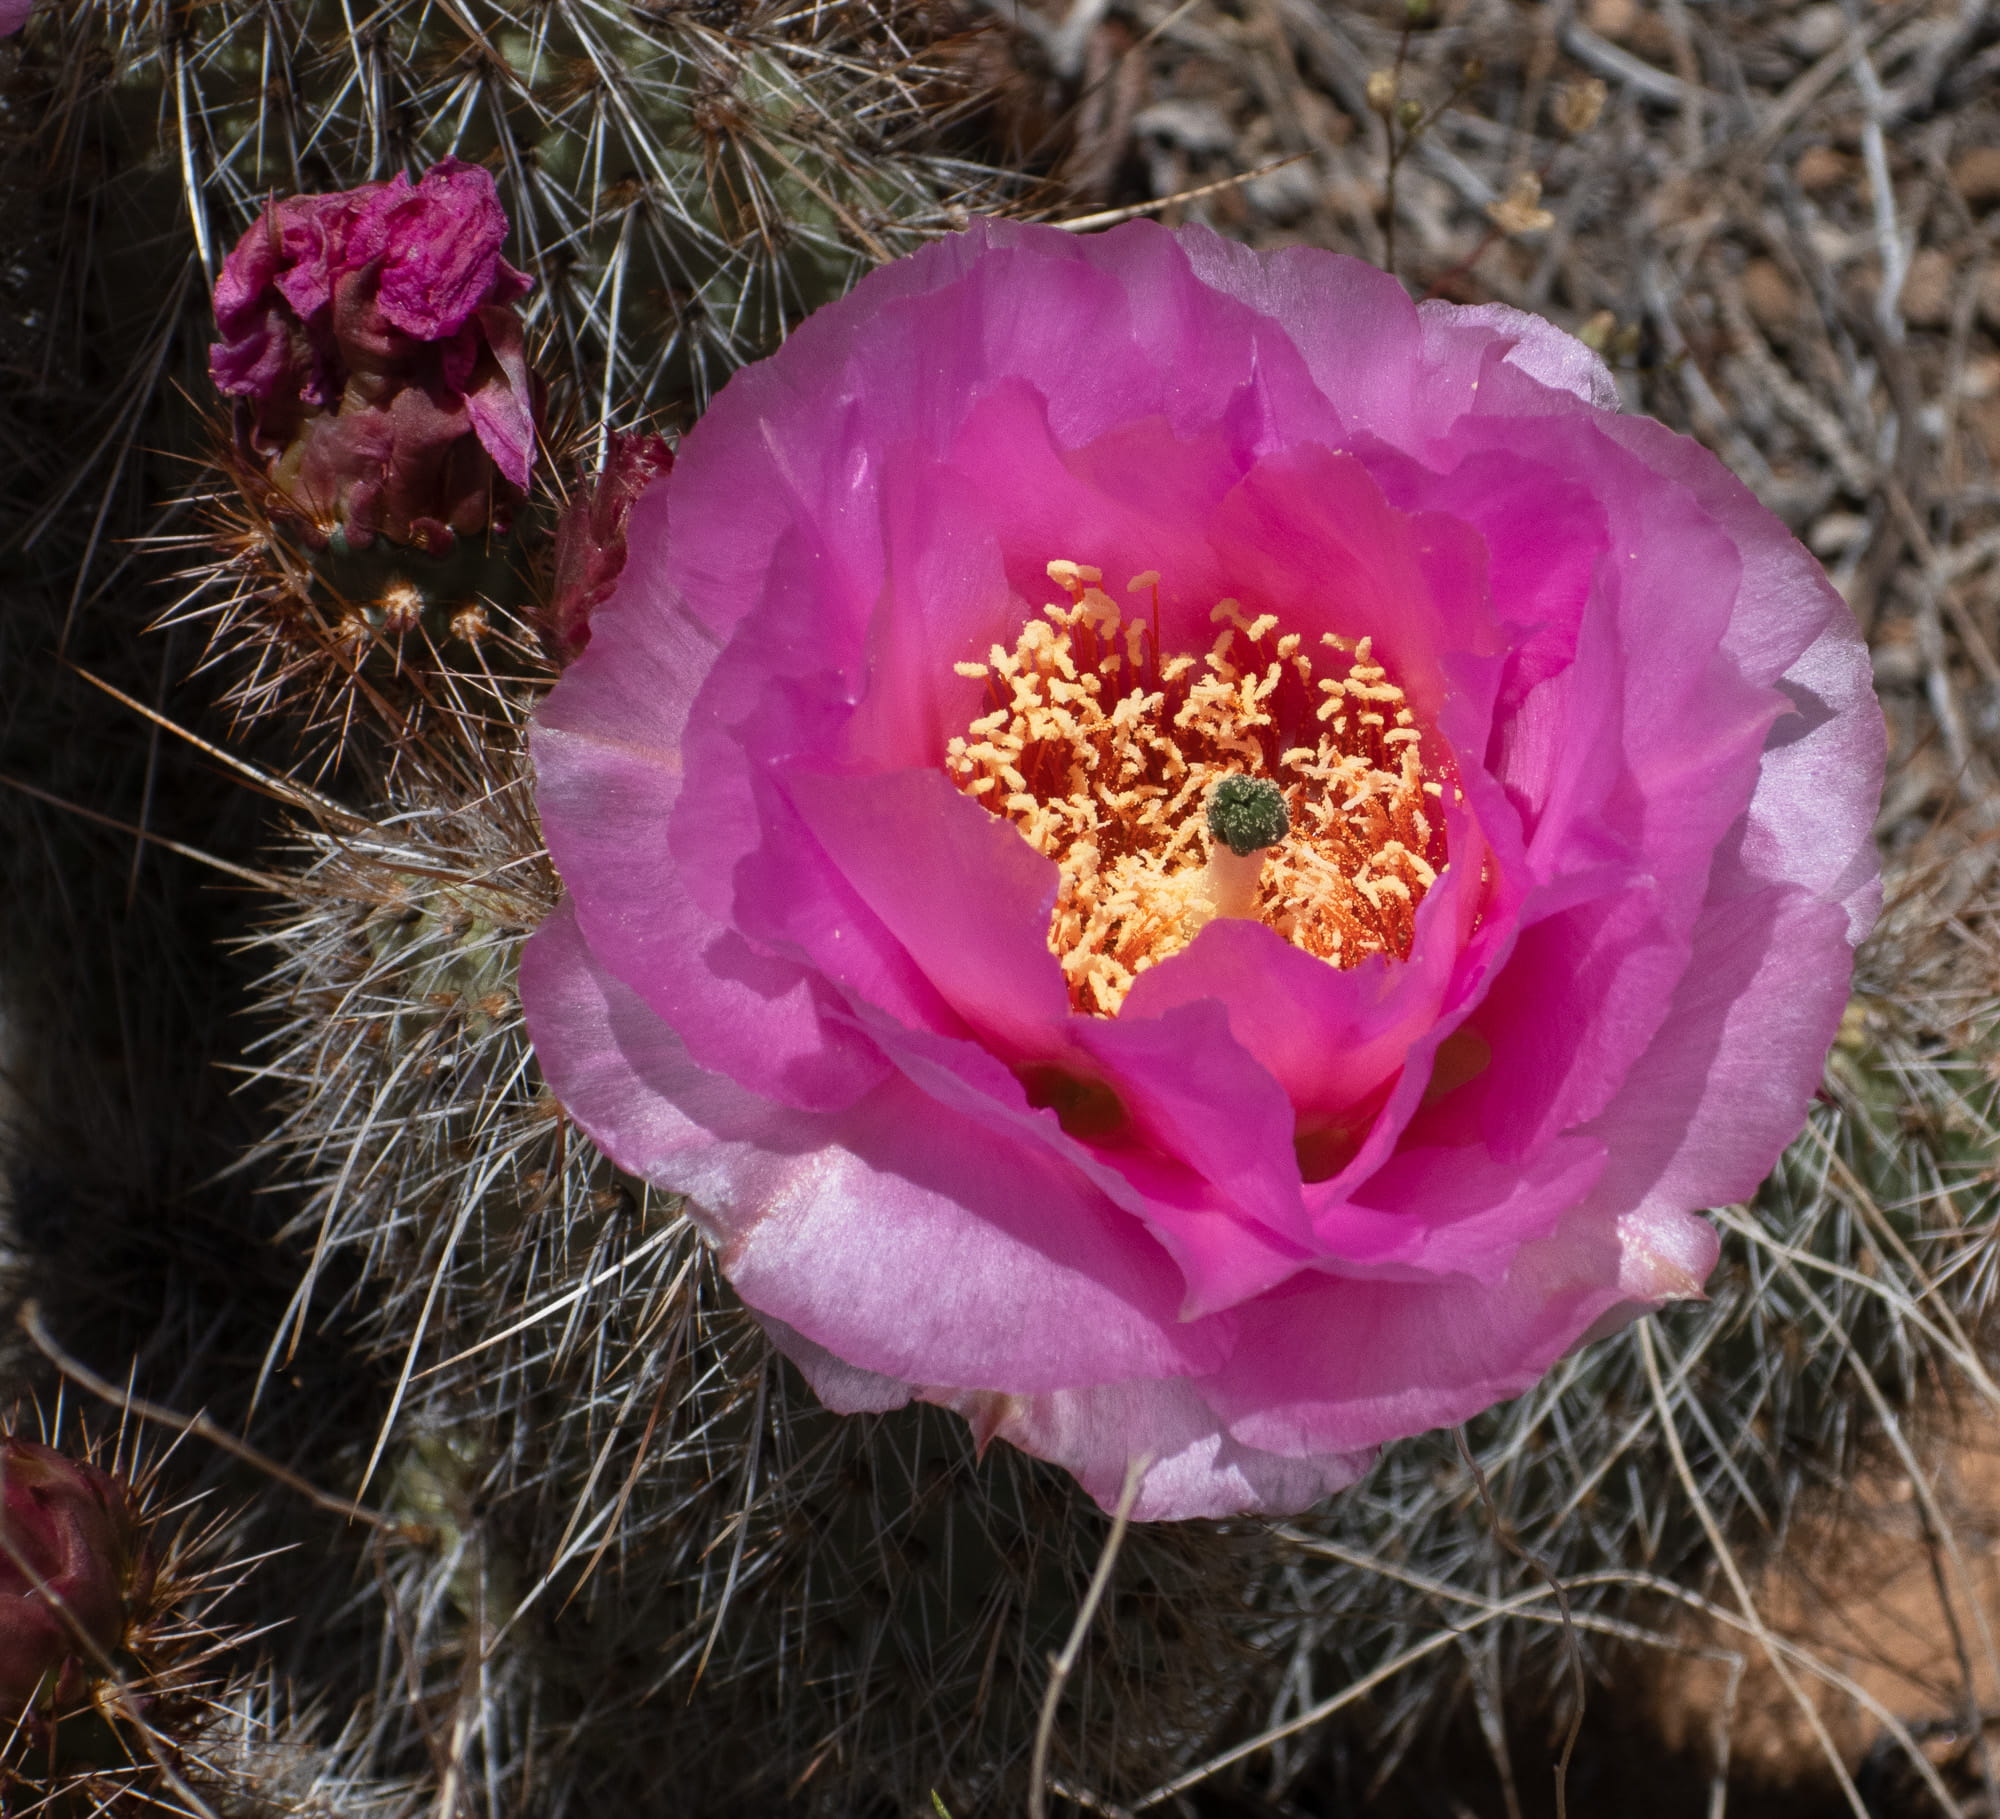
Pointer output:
1241, 1017
373, 337
14, 15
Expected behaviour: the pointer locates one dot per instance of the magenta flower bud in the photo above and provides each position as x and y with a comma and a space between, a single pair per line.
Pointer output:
590, 537
373, 339
71, 1540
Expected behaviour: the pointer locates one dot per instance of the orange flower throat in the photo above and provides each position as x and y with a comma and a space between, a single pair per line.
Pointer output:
1103, 752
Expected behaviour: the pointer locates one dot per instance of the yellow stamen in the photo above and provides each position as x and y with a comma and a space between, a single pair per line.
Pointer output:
1102, 748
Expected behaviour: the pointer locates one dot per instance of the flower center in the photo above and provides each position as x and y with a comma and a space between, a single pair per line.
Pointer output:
1171, 789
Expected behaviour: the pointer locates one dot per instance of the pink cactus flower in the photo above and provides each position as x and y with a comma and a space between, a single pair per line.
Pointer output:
71, 1540
374, 340
14, 15
1195, 861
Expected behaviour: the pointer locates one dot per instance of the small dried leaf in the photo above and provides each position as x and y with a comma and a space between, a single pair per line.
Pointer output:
1520, 210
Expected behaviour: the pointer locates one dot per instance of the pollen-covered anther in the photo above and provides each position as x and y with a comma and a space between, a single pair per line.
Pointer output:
1112, 756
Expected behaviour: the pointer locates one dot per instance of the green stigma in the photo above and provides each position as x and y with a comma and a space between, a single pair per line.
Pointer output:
1247, 813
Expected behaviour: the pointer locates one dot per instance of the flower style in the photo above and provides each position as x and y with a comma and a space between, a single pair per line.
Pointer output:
71, 1540
373, 337
1237, 1017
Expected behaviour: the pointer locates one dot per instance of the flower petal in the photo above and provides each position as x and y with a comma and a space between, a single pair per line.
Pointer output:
1328, 1365
1191, 1466
608, 775
824, 1220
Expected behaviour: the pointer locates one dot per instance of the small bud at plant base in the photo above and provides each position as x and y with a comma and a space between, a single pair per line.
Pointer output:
1579, 105
372, 341
1520, 210
1410, 113
1382, 90
590, 537
1596, 333
71, 1541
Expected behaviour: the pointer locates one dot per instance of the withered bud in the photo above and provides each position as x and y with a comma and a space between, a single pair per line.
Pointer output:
373, 344
73, 1567
1579, 105
590, 538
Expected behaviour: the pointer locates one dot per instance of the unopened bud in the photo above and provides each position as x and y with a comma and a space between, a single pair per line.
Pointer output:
1382, 90
72, 1569
1410, 113
590, 538
1596, 333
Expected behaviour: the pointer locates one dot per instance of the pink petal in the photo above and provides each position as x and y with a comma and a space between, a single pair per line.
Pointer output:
501, 405
608, 776
1194, 1093
1725, 1085
442, 244
1327, 1365
823, 1219
1192, 1467
1224, 1252
958, 890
